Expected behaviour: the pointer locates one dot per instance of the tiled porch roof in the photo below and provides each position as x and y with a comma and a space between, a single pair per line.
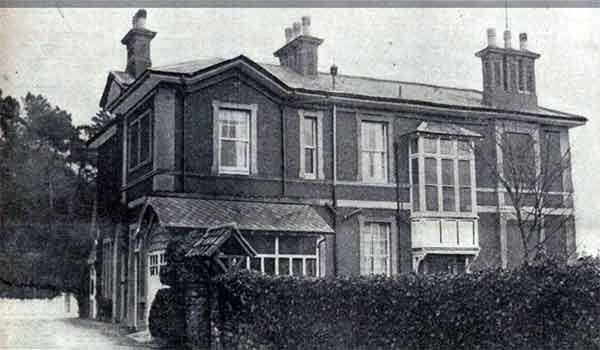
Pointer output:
254, 216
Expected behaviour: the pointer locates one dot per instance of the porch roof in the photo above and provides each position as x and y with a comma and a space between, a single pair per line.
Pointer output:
254, 216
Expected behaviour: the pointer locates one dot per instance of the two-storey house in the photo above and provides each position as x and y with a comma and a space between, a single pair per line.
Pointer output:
324, 173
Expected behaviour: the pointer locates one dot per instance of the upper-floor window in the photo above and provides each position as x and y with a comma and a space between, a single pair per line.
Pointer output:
445, 183
375, 248
374, 151
234, 138
311, 145
139, 140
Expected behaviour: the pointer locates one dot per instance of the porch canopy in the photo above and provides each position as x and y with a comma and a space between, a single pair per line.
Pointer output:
194, 213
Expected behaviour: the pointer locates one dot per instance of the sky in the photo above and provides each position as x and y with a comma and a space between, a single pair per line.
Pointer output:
66, 53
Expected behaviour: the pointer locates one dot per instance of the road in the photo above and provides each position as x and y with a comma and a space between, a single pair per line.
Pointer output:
31, 325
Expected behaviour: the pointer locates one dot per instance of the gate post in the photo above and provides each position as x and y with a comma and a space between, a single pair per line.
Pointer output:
197, 316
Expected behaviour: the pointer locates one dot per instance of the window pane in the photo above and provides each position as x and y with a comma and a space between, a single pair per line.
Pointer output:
465, 199
133, 144
310, 128
416, 202
431, 171
448, 199
430, 145
414, 145
448, 172
431, 197
255, 264
263, 244
297, 245
145, 138
269, 266
311, 267
447, 146
372, 135
464, 172
297, 267
464, 148
228, 153
284, 266
241, 151
309, 160
415, 170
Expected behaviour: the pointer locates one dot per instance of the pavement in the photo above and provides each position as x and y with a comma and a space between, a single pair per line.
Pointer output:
28, 326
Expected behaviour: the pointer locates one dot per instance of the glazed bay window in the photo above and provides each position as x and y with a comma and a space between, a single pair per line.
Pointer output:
234, 138
374, 151
139, 140
292, 255
375, 248
445, 183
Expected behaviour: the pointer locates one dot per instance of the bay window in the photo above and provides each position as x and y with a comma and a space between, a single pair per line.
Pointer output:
446, 179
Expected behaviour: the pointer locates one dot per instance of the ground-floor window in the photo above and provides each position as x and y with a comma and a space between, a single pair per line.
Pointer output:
438, 263
284, 255
155, 261
375, 248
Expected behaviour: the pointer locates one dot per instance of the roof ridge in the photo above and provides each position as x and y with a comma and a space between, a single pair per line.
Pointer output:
171, 65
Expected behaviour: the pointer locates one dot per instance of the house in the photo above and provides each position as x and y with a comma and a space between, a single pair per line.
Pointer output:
324, 173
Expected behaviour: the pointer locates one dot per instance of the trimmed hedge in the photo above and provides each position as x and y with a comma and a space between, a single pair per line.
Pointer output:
167, 316
547, 306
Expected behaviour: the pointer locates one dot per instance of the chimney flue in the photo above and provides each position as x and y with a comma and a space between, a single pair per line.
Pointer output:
288, 34
297, 29
306, 25
507, 39
491, 37
523, 41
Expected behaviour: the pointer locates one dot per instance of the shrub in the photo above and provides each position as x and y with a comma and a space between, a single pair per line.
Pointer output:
167, 316
547, 306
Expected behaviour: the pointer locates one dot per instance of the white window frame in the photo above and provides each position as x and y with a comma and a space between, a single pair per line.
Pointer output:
278, 256
252, 139
159, 257
456, 157
388, 159
364, 224
318, 145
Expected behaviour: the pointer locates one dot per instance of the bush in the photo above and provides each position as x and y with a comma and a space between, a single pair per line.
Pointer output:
547, 306
167, 316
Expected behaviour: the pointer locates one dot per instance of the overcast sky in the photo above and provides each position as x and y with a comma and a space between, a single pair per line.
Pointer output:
65, 54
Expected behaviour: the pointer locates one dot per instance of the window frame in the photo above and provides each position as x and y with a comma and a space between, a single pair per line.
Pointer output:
318, 164
389, 160
392, 242
217, 169
138, 120
276, 255
456, 157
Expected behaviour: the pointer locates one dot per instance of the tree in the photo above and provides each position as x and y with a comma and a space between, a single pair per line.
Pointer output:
530, 174
46, 240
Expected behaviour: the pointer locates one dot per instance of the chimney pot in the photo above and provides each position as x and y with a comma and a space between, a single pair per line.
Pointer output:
139, 19
491, 37
306, 25
507, 39
333, 70
297, 29
523, 41
288, 34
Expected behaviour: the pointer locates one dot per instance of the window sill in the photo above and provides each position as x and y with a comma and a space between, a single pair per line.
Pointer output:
244, 172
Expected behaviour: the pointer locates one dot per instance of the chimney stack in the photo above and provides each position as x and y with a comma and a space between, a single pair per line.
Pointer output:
306, 25
137, 41
491, 37
300, 52
523, 41
507, 39
333, 70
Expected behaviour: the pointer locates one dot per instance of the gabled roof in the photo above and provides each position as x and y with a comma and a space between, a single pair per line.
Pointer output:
215, 237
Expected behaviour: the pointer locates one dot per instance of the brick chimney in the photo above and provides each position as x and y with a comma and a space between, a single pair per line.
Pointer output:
508, 74
137, 41
301, 50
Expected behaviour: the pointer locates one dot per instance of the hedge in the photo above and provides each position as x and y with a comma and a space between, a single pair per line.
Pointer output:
167, 316
547, 306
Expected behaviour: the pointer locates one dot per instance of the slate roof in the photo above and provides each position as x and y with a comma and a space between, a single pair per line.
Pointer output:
123, 78
445, 129
359, 85
215, 237
204, 213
